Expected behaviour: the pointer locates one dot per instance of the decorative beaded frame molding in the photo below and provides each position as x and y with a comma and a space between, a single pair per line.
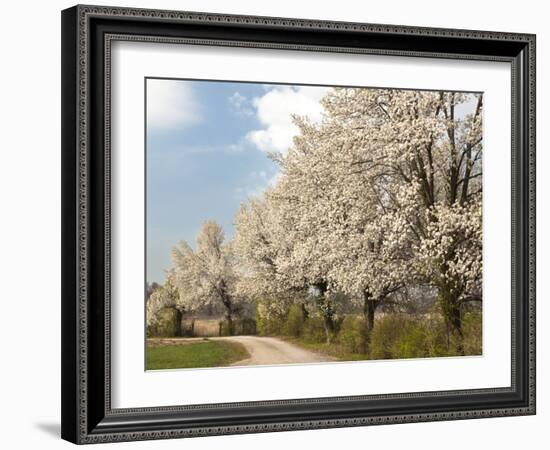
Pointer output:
87, 35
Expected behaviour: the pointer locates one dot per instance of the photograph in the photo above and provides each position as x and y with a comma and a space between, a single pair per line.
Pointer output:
300, 224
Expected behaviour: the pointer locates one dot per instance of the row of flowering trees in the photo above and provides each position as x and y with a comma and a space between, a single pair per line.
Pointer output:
381, 196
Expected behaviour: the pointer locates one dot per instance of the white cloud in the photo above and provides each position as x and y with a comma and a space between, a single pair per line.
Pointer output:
274, 111
240, 105
274, 179
258, 182
171, 104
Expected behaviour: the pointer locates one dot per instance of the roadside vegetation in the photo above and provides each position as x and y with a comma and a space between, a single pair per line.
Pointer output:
395, 336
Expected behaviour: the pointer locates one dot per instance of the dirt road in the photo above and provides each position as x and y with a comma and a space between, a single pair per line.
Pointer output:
269, 350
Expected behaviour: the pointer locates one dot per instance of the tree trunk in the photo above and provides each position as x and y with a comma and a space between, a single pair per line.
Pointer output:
369, 307
453, 317
305, 313
230, 324
179, 317
227, 302
455, 320
329, 327
325, 308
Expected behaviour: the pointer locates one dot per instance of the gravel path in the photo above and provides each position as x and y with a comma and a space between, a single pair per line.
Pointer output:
270, 350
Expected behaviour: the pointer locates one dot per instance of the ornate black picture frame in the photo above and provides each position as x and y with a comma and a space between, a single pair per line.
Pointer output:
87, 34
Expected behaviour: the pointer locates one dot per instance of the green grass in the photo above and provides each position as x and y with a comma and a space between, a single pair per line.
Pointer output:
200, 354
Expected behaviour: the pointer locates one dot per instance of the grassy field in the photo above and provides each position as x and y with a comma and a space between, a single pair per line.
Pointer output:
197, 354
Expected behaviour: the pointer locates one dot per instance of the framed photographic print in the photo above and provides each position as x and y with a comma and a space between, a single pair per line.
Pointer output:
280, 224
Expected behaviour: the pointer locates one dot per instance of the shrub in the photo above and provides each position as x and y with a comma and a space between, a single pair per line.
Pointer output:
471, 342
240, 327
436, 336
386, 333
269, 325
413, 342
338, 321
268, 321
314, 330
472, 330
166, 325
409, 337
224, 328
353, 334
294, 324
397, 336
246, 326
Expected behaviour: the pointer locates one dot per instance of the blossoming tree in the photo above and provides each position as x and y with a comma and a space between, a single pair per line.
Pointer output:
163, 297
340, 243
207, 275
420, 153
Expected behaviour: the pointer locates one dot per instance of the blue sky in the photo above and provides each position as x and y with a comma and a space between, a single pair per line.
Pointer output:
207, 151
